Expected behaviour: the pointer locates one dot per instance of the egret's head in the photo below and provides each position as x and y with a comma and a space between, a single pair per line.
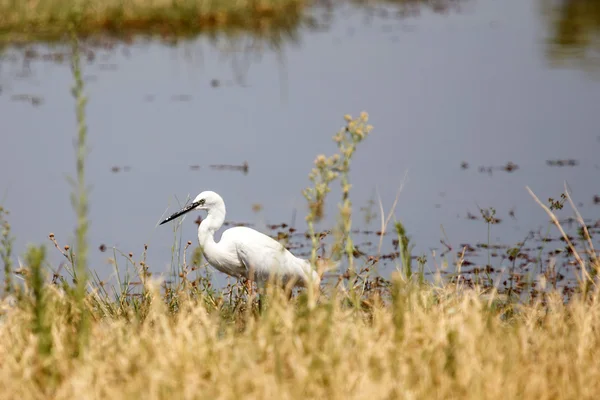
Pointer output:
206, 200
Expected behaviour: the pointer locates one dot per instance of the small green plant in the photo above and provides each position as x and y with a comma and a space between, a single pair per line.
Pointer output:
489, 217
321, 177
34, 259
553, 205
6, 243
557, 204
422, 261
404, 249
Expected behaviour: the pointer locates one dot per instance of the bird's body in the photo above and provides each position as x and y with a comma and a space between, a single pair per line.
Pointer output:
243, 252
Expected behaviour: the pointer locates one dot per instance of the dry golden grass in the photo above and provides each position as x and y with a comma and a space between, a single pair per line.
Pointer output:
426, 343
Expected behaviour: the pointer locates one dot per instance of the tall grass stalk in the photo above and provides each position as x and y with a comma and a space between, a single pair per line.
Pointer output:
585, 278
489, 216
347, 140
321, 177
553, 205
80, 196
325, 171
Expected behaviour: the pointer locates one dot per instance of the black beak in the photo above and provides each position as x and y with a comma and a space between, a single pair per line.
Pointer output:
187, 208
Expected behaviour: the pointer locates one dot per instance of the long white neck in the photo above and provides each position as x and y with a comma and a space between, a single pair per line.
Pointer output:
211, 224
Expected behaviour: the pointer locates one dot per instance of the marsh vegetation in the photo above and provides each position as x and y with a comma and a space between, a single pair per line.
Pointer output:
480, 320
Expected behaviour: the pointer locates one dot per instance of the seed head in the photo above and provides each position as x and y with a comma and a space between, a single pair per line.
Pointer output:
320, 160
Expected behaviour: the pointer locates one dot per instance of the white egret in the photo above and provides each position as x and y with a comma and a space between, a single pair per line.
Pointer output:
243, 252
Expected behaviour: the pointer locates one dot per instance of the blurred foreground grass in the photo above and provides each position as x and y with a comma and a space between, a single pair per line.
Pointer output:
422, 343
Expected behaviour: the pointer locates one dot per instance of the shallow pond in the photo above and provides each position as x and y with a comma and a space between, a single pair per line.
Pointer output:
467, 104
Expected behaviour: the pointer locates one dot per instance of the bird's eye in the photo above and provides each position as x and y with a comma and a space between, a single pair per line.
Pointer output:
201, 202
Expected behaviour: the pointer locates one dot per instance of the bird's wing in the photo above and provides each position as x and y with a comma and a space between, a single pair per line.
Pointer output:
262, 258
246, 257
252, 256
243, 256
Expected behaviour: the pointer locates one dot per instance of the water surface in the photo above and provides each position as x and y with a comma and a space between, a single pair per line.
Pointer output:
450, 93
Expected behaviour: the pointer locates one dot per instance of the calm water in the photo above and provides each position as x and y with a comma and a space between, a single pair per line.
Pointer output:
473, 84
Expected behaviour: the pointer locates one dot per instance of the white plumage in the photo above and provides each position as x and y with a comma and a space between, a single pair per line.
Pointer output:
244, 252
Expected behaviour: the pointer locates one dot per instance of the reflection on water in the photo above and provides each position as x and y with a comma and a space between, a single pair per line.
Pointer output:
575, 33
461, 99
239, 46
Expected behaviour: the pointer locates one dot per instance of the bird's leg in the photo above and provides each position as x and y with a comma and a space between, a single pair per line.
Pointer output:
250, 280
260, 304
249, 286
288, 289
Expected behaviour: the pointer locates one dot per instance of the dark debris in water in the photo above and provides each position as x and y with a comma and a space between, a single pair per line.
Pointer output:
562, 163
108, 67
508, 167
29, 98
182, 97
222, 167
116, 169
